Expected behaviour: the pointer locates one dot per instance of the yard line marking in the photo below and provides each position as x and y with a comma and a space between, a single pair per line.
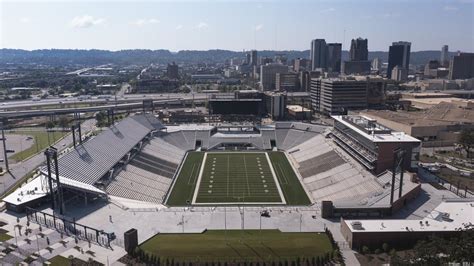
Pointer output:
283, 176
227, 175
192, 177
246, 175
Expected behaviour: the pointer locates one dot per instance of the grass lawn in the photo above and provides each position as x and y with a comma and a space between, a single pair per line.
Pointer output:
62, 261
59, 261
40, 142
4, 237
241, 245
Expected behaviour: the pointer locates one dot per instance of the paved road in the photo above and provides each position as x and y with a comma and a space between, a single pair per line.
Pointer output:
18, 170
121, 98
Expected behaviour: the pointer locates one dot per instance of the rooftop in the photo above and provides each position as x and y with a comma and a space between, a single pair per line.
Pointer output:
298, 108
440, 114
373, 131
90, 161
450, 215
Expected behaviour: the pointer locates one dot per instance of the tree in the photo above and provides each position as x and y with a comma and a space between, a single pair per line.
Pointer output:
49, 124
365, 250
385, 247
101, 118
63, 121
466, 139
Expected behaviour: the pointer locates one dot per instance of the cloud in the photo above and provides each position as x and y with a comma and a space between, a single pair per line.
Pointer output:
179, 27
202, 25
451, 8
25, 20
390, 15
327, 10
258, 27
145, 21
86, 21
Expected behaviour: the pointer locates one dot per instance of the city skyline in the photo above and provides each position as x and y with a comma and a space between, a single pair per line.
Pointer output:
234, 25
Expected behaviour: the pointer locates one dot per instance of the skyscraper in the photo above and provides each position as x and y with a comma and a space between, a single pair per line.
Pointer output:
398, 55
359, 50
318, 54
462, 66
172, 71
253, 57
444, 59
268, 75
358, 63
334, 57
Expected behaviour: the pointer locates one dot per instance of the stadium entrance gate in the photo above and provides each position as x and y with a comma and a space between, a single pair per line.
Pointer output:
64, 225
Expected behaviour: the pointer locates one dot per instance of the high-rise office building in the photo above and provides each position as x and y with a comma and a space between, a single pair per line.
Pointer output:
358, 63
253, 57
301, 64
268, 75
399, 74
376, 64
359, 50
334, 57
172, 71
287, 82
336, 96
462, 66
264, 60
444, 59
398, 55
247, 58
318, 54
305, 79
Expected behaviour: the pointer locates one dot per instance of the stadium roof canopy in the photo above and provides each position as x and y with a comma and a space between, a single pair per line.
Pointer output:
89, 162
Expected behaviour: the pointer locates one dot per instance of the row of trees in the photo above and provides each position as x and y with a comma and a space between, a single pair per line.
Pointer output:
441, 251
432, 251
334, 257
141, 256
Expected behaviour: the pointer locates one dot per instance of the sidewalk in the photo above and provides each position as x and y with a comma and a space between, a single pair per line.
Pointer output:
347, 253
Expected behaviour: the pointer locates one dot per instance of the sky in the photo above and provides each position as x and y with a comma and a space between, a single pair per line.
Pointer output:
234, 25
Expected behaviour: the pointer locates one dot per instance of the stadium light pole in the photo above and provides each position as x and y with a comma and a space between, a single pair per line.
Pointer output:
301, 220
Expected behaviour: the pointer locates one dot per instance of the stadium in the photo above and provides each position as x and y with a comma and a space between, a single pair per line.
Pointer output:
282, 164
140, 182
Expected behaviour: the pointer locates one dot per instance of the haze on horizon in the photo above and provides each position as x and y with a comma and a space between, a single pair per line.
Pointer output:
234, 25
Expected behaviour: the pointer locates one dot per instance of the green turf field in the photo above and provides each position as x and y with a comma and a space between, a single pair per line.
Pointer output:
237, 177
233, 177
289, 183
238, 245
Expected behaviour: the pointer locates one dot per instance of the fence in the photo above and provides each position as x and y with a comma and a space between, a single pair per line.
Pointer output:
63, 225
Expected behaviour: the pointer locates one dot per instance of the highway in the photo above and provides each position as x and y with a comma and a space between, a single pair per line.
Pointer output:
29, 108
99, 99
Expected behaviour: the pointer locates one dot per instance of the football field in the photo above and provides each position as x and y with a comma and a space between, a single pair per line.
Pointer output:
237, 177
233, 178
